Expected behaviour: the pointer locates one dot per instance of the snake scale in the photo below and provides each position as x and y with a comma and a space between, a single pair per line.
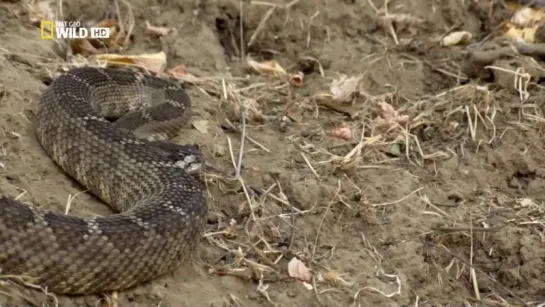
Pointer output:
129, 164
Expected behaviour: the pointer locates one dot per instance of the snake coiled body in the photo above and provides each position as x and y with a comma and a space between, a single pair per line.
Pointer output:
160, 207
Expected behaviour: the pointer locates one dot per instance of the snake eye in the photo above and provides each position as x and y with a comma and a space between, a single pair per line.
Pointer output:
193, 149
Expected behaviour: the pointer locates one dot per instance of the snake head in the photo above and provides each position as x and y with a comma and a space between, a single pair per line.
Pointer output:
189, 158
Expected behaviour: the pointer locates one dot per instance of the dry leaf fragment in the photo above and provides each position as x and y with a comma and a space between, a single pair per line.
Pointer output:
389, 118
527, 17
231, 232
520, 35
388, 112
455, 38
342, 132
308, 286
297, 79
527, 202
152, 62
201, 126
180, 72
267, 67
453, 125
323, 100
157, 31
333, 278
40, 10
344, 88
295, 113
298, 270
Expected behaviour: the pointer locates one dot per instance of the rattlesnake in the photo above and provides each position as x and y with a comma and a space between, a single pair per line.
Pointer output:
161, 209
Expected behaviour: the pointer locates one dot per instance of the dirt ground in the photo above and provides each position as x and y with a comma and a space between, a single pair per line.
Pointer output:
445, 210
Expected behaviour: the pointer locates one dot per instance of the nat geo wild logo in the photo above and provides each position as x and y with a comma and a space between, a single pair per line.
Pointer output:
50, 29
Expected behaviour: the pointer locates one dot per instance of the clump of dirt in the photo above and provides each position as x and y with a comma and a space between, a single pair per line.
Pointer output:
424, 189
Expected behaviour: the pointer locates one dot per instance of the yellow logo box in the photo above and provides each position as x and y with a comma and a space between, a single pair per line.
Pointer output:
47, 25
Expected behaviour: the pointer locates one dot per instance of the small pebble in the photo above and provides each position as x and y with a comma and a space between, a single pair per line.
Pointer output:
212, 218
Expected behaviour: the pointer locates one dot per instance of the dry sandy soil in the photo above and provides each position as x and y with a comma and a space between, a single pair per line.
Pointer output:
443, 211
